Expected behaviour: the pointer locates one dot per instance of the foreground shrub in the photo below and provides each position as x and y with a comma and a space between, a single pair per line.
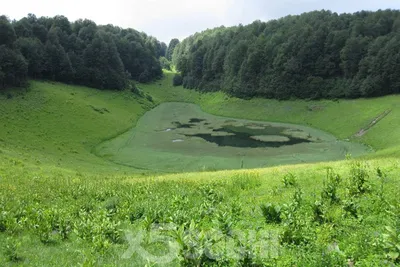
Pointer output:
289, 180
391, 236
11, 250
319, 210
358, 182
297, 227
271, 213
331, 186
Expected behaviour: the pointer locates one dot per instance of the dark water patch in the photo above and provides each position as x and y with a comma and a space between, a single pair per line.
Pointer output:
196, 120
244, 141
243, 137
183, 125
267, 130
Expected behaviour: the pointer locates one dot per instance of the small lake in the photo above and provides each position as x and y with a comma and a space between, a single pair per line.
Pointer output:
178, 137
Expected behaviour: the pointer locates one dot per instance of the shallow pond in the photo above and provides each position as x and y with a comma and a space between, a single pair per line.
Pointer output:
181, 137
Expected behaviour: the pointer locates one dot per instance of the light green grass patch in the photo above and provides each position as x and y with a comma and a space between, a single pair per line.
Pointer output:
166, 139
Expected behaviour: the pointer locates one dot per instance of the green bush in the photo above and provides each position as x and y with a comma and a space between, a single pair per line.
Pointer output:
165, 63
177, 80
271, 213
331, 186
391, 236
136, 90
289, 180
358, 182
318, 211
11, 250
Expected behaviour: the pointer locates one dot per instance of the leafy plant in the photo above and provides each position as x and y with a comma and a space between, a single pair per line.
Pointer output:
331, 186
11, 250
99, 229
391, 236
180, 216
271, 213
382, 176
358, 182
136, 214
3, 223
194, 245
248, 257
44, 225
211, 195
319, 211
236, 209
225, 222
289, 180
350, 207
297, 230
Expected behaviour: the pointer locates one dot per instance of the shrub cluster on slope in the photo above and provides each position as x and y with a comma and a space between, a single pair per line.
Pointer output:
80, 52
315, 55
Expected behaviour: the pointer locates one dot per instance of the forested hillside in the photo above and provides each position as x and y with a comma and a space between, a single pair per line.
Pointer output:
80, 52
315, 55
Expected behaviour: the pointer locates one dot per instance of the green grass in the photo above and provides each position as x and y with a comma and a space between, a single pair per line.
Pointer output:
59, 124
61, 205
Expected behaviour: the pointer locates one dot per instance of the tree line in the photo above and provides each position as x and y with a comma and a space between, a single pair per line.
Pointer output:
315, 55
165, 61
79, 52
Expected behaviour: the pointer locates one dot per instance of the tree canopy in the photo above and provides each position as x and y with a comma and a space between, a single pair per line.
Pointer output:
171, 47
318, 54
79, 52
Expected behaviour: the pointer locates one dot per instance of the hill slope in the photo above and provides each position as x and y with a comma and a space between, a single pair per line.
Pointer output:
59, 124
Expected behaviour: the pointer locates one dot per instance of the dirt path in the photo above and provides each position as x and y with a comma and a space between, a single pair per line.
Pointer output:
373, 123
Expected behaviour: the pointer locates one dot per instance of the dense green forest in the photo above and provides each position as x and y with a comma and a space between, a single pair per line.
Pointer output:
314, 55
80, 52
166, 61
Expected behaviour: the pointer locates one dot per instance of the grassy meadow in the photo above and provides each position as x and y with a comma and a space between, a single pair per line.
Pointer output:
62, 205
